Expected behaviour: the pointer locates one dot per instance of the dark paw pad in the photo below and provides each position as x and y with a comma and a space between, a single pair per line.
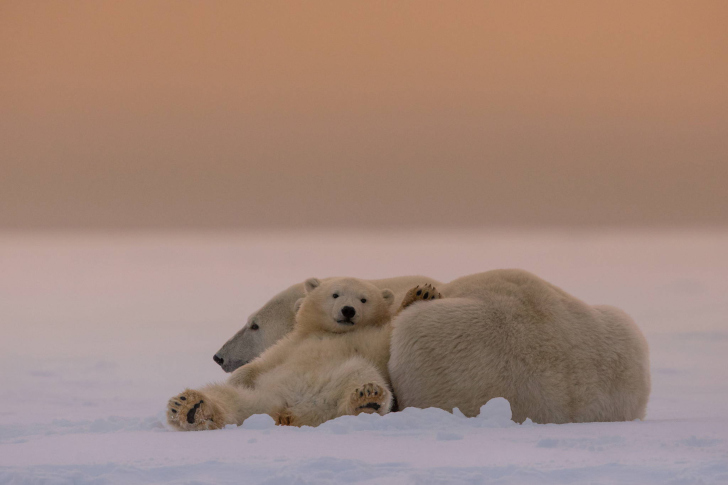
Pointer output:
192, 411
371, 405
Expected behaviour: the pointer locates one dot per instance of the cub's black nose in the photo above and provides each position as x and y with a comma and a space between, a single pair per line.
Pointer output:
348, 311
218, 360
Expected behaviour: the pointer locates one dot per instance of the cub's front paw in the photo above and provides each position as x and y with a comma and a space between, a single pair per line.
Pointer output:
192, 411
420, 293
370, 398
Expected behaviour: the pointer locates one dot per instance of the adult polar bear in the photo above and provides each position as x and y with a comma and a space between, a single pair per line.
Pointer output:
502, 333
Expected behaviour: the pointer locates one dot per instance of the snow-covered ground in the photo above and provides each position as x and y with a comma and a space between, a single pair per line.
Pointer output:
99, 331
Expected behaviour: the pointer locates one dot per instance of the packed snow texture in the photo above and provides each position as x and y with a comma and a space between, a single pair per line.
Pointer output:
99, 331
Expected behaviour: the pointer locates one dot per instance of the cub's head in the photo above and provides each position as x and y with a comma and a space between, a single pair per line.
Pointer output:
342, 304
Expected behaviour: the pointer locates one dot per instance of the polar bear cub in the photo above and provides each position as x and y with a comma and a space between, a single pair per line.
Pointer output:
334, 363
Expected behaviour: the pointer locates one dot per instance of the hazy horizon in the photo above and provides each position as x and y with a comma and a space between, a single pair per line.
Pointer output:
237, 115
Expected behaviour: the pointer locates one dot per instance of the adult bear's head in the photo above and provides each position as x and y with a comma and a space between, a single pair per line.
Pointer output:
263, 328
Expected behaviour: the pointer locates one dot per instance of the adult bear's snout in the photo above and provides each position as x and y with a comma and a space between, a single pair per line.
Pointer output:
348, 312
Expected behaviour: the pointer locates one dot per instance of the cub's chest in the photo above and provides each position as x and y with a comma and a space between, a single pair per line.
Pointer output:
349, 343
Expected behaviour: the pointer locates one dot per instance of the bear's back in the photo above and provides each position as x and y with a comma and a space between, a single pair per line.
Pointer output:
508, 333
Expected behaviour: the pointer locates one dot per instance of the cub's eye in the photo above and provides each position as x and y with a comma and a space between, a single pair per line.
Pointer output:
363, 300
335, 295
254, 326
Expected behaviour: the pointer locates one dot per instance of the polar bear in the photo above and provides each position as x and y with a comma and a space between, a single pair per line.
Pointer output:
508, 333
333, 363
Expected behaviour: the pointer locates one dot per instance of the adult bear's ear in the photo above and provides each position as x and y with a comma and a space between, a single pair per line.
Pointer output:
388, 296
297, 305
311, 284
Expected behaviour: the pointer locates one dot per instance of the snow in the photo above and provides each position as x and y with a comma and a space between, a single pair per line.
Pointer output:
100, 330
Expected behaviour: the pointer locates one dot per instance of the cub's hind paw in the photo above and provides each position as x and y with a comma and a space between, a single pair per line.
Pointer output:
192, 411
370, 398
285, 418
420, 293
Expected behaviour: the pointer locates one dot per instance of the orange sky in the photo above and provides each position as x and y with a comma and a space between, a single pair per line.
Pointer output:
231, 114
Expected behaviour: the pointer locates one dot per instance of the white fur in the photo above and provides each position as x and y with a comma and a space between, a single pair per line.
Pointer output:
508, 333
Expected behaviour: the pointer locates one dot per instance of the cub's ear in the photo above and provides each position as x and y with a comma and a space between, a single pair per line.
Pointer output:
297, 305
388, 296
311, 284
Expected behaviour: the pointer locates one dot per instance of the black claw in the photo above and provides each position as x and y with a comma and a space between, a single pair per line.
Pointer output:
182, 398
419, 292
427, 294
177, 404
174, 411
361, 393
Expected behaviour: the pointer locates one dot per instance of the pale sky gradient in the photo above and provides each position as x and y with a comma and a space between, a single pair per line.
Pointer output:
181, 114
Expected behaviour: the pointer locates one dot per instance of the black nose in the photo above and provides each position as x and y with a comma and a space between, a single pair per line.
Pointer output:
348, 311
218, 360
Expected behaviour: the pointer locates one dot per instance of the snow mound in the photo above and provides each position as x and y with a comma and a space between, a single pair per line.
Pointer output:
259, 421
496, 413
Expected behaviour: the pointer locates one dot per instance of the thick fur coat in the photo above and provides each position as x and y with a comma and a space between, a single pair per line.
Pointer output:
508, 333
